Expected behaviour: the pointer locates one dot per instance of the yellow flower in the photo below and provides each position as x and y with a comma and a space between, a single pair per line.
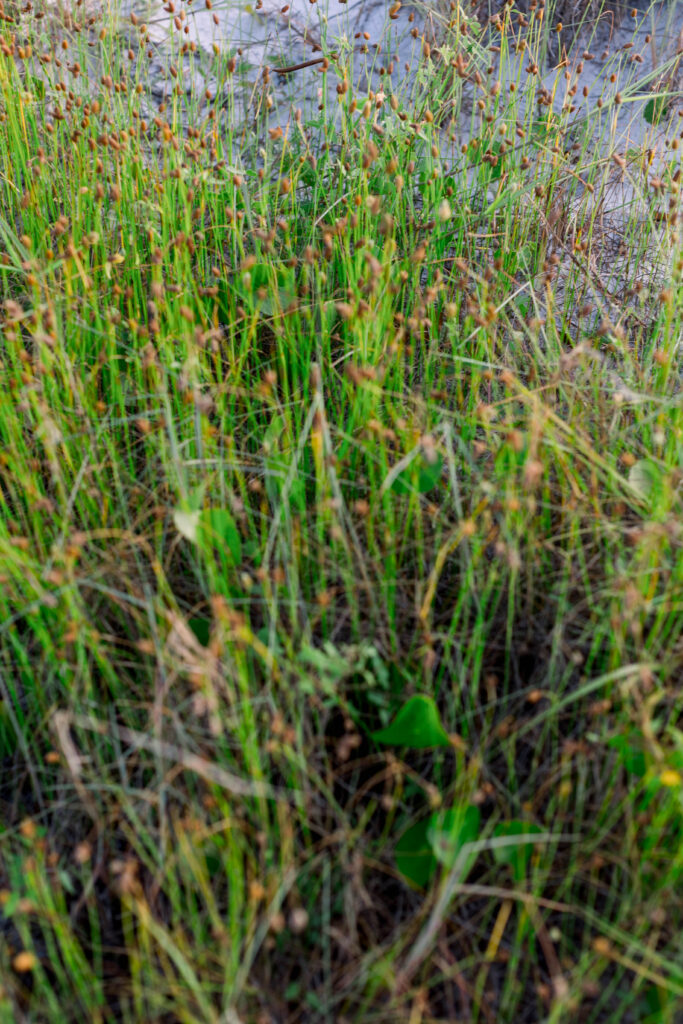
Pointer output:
671, 778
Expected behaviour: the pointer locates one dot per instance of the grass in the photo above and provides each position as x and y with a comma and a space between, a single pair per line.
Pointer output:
293, 433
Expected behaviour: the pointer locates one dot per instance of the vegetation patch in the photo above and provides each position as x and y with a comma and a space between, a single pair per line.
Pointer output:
341, 538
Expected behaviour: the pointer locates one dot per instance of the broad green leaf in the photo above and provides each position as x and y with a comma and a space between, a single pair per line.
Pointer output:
416, 725
516, 856
11, 904
273, 434
414, 856
8, 737
217, 531
421, 476
450, 831
201, 629
438, 839
252, 550
429, 474
631, 754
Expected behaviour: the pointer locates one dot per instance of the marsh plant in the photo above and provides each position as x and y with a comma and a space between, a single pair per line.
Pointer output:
341, 562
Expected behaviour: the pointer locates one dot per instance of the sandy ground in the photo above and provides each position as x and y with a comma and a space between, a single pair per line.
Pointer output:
634, 52
637, 57
275, 34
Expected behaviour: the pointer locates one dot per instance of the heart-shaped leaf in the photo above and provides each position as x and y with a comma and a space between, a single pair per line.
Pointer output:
421, 476
414, 856
438, 839
201, 629
631, 754
516, 855
416, 725
450, 831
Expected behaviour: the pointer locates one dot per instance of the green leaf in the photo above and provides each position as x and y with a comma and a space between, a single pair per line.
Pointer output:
314, 1001
631, 754
438, 839
201, 629
421, 476
414, 856
416, 725
8, 736
517, 855
655, 109
217, 531
450, 831
67, 882
11, 904
273, 434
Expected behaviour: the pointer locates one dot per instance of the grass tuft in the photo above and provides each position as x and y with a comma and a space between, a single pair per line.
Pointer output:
341, 535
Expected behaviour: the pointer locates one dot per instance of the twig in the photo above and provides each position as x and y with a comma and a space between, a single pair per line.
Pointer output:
160, 748
304, 64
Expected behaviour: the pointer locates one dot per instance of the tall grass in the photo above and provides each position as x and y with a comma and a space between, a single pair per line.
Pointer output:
283, 442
